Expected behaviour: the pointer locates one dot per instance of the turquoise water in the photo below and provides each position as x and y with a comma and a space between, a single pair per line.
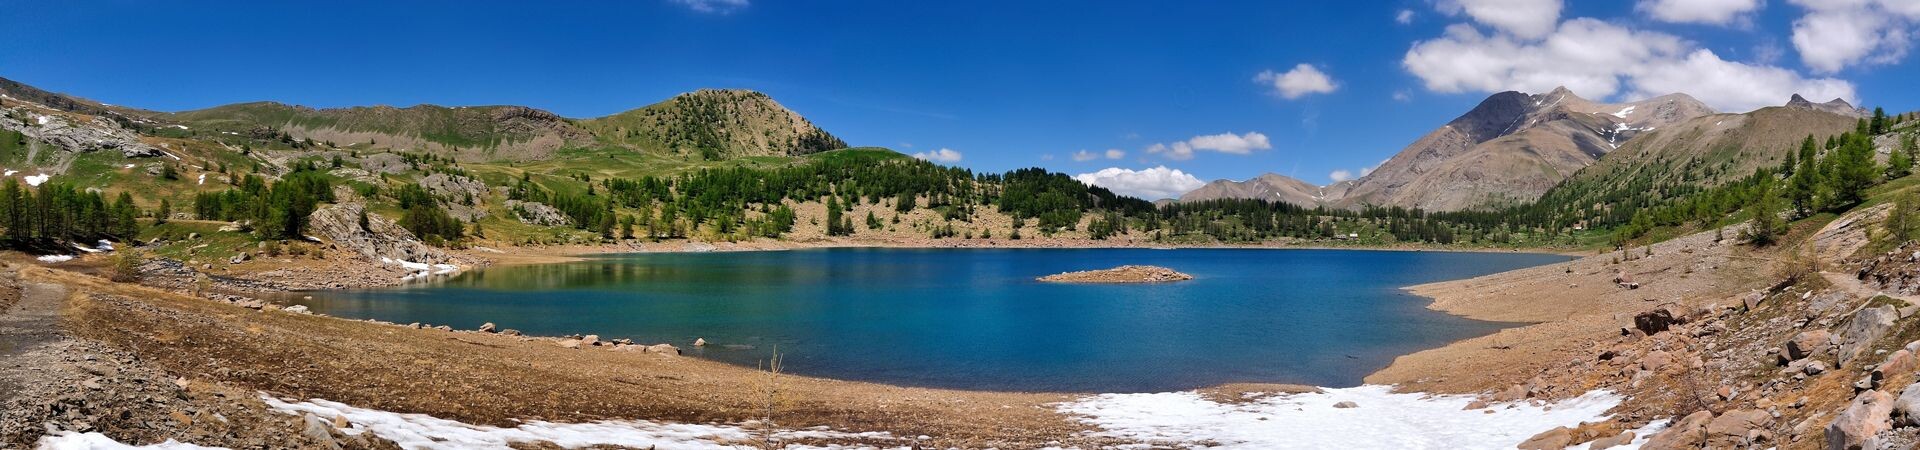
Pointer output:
976, 319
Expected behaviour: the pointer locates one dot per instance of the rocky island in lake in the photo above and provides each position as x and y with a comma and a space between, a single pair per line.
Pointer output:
1122, 274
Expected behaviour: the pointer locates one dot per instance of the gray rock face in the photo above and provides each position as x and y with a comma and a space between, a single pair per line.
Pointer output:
1907, 408
1866, 326
537, 213
382, 238
91, 136
457, 191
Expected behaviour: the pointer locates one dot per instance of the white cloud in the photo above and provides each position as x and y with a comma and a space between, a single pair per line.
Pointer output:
944, 155
1529, 19
1155, 183
1303, 80
1402, 96
1601, 60
1340, 175
1836, 34
1112, 153
1712, 12
1238, 144
1405, 16
1732, 86
713, 6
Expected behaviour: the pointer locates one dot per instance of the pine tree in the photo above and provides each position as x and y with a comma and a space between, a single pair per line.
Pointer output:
1879, 124
1766, 226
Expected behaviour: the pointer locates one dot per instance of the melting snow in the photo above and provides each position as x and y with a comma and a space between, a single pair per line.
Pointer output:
203, 178
35, 180
55, 258
129, 166
42, 119
9, 172
422, 270
420, 431
1624, 112
68, 440
1310, 421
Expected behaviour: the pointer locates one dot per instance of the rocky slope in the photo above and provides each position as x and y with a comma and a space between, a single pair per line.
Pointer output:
470, 133
1704, 151
1511, 148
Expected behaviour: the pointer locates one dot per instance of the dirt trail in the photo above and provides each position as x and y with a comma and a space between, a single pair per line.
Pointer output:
32, 322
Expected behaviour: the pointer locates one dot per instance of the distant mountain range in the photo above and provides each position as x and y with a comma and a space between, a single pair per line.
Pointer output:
1514, 147
707, 124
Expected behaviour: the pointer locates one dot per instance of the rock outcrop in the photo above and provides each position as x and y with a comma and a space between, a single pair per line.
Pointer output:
459, 194
536, 213
78, 135
380, 239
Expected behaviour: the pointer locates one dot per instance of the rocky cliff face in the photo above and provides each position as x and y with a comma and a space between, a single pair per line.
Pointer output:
74, 133
473, 133
1511, 148
380, 240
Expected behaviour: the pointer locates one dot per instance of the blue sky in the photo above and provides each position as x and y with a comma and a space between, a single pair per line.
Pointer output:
998, 84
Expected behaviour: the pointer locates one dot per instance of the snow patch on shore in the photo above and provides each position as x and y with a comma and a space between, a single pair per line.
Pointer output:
1382, 419
55, 258
420, 431
35, 180
422, 270
68, 440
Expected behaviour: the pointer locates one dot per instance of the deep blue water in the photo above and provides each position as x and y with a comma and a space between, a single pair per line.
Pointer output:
976, 319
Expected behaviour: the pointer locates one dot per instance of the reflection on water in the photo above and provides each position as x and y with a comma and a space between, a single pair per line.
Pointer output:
975, 319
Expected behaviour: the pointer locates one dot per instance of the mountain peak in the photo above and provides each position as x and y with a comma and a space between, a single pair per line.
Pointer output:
1837, 106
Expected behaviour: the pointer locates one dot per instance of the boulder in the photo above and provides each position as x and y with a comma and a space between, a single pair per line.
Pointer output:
320, 431
699, 342
1624, 438
1734, 427
664, 349
487, 327
591, 339
1898, 362
1807, 344
1687, 433
570, 343
1866, 326
510, 332
1655, 360
298, 309
1906, 408
1869, 414
1554, 439
1814, 368
1657, 320
1753, 300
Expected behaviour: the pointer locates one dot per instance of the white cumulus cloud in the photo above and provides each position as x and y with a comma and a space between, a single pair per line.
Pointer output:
1238, 144
713, 6
1340, 175
1836, 34
1114, 153
944, 155
1155, 183
1405, 16
1529, 19
1302, 81
1712, 12
1600, 60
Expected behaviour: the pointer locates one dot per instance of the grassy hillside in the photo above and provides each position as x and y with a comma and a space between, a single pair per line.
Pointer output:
715, 125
